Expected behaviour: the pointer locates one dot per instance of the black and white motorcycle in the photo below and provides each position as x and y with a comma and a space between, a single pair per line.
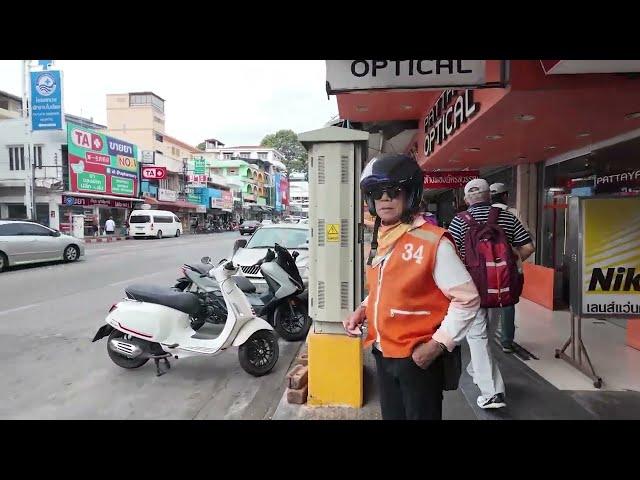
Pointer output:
155, 323
284, 305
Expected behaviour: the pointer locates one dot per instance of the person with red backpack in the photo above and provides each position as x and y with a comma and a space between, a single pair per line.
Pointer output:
489, 241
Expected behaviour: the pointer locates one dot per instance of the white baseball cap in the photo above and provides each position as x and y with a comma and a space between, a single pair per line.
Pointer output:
478, 184
497, 188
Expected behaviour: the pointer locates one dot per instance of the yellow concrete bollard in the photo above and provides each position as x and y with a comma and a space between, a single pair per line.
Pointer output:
335, 370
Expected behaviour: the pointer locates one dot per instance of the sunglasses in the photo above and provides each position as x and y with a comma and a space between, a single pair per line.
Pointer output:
392, 192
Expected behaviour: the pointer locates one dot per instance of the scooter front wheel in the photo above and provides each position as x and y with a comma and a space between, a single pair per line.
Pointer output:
292, 321
259, 354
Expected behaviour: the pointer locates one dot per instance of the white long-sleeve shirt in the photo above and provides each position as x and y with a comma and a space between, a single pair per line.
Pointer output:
453, 279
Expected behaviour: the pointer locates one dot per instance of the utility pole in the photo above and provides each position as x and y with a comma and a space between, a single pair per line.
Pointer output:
29, 187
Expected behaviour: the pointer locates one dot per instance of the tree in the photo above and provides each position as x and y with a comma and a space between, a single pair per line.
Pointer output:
286, 142
201, 146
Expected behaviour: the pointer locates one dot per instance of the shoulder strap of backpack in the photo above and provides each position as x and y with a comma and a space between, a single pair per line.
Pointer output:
494, 215
467, 218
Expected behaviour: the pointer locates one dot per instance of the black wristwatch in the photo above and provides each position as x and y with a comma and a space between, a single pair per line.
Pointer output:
442, 346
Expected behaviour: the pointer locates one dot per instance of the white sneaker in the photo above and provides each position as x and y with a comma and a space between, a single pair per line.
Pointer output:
497, 401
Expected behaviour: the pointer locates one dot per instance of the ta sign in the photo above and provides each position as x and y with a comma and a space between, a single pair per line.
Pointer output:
86, 140
154, 173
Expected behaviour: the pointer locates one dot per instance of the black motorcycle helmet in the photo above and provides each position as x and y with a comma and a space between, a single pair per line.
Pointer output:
388, 171
394, 170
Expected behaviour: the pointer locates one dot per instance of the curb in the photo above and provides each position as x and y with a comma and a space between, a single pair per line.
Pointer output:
103, 239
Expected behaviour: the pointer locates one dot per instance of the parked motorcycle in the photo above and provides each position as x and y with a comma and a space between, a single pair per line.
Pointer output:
155, 323
284, 305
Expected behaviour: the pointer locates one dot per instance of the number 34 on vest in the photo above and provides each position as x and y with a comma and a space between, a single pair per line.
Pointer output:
409, 253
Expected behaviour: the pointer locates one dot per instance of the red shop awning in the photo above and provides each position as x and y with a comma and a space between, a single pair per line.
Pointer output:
177, 205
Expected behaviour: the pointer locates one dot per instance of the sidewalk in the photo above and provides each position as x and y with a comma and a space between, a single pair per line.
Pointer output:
538, 385
542, 387
454, 405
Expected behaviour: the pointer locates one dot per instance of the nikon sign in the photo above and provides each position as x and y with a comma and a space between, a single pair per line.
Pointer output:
611, 256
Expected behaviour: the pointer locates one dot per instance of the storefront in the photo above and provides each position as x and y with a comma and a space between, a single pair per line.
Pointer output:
103, 180
185, 211
547, 129
604, 170
96, 212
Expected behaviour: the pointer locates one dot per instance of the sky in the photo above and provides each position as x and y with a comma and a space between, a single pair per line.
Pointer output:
235, 101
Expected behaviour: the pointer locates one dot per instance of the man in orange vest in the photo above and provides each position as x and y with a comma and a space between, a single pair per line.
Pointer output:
421, 298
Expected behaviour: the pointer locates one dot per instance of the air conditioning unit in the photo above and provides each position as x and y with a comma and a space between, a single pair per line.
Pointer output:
336, 275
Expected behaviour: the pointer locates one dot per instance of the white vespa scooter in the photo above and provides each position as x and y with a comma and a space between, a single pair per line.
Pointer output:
154, 322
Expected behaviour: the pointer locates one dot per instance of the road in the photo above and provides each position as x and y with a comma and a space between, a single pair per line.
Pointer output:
51, 370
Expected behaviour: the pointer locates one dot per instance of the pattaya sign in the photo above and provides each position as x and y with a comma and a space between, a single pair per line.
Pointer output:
617, 181
101, 164
451, 110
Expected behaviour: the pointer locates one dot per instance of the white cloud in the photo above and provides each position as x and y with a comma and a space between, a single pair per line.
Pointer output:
236, 101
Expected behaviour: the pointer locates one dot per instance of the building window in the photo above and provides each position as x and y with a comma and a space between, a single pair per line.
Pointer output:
227, 155
37, 155
159, 137
146, 100
158, 120
175, 151
245, 154
263, 155
232, 171
16, 158
156, 102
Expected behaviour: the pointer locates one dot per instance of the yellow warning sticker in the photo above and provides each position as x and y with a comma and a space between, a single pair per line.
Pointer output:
333, 232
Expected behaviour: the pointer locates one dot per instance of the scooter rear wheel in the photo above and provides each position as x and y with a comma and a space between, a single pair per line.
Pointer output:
121, 360
259, 354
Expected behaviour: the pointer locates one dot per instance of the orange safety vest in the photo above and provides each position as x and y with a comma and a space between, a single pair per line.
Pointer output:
405, 306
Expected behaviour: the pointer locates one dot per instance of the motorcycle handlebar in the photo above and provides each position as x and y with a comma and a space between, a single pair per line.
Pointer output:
267, 258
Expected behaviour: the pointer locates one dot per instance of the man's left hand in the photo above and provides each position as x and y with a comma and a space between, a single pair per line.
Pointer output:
425, 353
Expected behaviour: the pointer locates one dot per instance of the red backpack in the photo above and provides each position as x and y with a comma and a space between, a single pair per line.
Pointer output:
491, 261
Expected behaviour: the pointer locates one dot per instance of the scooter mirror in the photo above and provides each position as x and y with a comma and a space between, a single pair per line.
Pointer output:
295, 255
240, 243
206, 260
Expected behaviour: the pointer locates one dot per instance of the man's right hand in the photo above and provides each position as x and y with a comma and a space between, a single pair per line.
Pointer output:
353, 322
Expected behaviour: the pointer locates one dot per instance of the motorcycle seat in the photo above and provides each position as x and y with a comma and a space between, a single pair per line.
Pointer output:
244, 284
201, 267
182, 301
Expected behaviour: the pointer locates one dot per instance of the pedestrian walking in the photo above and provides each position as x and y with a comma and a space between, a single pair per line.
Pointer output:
505, 234
506, 315
110, 226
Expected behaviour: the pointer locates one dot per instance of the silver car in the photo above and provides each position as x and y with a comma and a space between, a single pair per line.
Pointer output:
28, 242
293, 237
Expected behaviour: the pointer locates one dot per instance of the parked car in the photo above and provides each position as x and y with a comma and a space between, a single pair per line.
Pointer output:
23, 242
249, 226
154, 224
293, 237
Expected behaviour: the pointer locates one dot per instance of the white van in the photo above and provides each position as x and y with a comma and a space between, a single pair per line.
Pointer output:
154, 223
